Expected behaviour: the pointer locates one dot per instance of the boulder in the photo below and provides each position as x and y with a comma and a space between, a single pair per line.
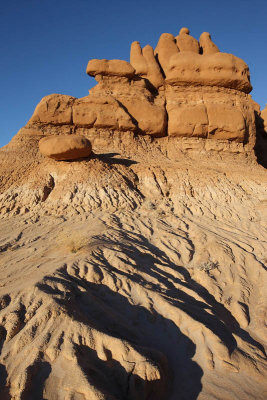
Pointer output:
110, 68
65, 147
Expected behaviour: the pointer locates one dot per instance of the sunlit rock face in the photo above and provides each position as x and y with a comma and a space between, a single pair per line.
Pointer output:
133, 234
185, 88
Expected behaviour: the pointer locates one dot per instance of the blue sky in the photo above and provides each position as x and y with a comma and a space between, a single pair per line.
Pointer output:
45, 44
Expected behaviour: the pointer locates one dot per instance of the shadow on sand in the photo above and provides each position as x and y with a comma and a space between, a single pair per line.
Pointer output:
152, 335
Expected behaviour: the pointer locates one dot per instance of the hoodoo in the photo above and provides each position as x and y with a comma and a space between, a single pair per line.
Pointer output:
185, 89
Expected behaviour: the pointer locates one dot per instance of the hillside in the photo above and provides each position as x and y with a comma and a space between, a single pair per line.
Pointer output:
138, 271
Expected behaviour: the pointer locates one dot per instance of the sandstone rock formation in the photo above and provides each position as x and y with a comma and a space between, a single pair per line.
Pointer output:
65, 147
54, 109
138, 272
206, 44
137, 59
214, 113
182, 89
166, 48
185, 42
218, 69
110, 68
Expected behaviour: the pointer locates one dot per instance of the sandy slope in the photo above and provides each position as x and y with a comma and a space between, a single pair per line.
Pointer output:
145, 282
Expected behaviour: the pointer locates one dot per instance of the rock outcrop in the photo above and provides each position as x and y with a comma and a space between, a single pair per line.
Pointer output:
209, 112
217, 69
182, 89
54, 109
110, 68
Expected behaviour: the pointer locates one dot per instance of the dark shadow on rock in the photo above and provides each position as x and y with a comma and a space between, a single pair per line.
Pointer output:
261, 141
36, 377
4, 390
109, 158
2, 337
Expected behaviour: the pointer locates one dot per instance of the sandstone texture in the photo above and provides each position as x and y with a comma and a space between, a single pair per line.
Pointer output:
137, 59
185, 42
166, 48
218, 69
54, 109
214, 113
65, 147
101, 112
109, 68
137, 271
206, 44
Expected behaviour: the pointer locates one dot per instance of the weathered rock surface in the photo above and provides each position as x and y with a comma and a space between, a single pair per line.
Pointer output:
115, 264
218, 69
101, 112
147, 113
145, 64
54, 109
65, 147
137, 59
166, 48
185, 42
154, 74
206, 44
138, 272
110, 68
208, 112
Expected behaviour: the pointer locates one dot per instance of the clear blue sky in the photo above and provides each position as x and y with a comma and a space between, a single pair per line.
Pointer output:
45, 44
